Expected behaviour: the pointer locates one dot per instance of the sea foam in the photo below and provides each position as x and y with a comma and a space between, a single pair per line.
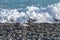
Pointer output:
42, 15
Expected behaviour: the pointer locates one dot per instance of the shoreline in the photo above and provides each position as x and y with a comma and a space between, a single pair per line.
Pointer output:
42, 31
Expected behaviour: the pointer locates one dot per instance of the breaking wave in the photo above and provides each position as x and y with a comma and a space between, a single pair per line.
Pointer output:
47, 14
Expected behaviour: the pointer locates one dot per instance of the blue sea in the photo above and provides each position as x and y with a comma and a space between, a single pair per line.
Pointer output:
20, 11
25, 3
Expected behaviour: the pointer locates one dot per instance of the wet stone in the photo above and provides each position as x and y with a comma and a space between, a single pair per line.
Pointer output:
42, 31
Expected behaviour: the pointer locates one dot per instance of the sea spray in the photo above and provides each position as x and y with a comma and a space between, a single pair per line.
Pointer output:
41, 14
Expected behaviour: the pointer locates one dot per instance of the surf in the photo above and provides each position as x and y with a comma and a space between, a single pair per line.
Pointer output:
21, 15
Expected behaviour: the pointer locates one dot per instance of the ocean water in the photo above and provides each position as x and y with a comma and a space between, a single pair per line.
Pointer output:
20, 11
25, 3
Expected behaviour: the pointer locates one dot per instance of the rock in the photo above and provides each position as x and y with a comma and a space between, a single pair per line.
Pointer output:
36, 31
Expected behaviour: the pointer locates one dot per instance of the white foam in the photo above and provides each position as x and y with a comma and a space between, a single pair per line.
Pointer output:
41, 14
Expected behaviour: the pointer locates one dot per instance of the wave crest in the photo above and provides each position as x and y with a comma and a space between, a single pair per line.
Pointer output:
48, 14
